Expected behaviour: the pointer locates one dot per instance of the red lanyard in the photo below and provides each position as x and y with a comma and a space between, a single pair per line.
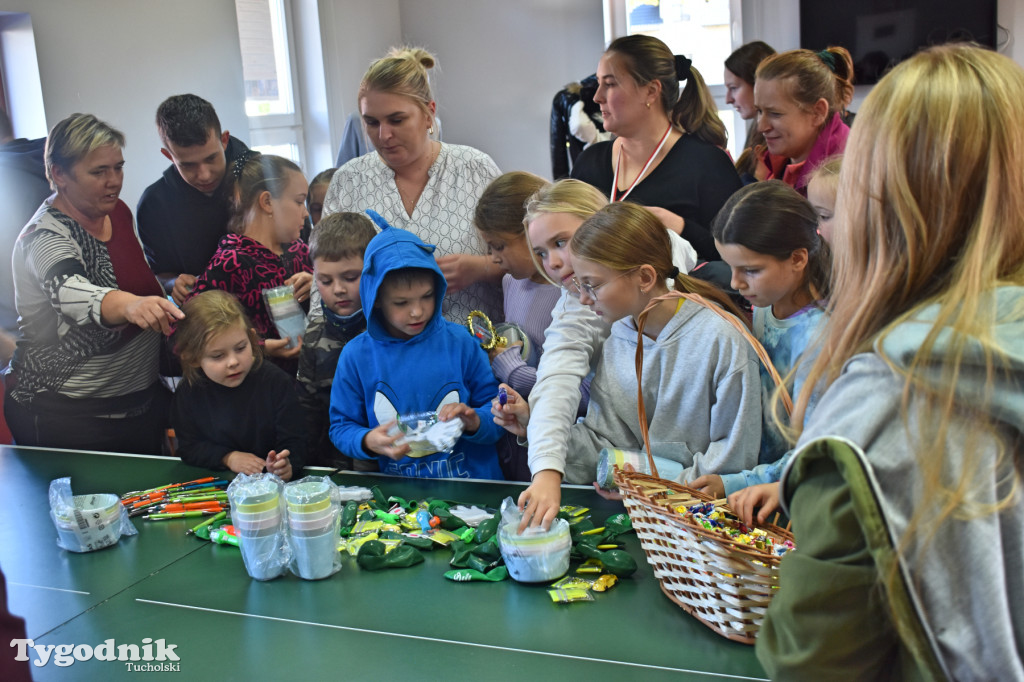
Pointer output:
615, 178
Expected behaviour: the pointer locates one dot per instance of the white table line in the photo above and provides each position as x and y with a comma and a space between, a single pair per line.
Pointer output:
446, 641
44, 587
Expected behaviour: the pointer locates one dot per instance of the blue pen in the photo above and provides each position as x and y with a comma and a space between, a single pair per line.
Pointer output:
502, 396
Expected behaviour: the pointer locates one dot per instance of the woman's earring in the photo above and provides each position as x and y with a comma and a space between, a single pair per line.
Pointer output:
648, 105
430, 130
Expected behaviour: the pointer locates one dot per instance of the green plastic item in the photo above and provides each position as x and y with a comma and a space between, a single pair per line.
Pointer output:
378, 497
461, 551
480, 564
204, 532
373, 556
465, 575
400, 501
489, 550
386, 517
615, 561
486, 530
348, 515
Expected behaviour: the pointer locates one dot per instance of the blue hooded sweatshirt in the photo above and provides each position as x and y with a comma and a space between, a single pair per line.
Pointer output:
380, 376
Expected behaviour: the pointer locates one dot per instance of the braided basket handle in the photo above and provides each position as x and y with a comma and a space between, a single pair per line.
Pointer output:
762, 354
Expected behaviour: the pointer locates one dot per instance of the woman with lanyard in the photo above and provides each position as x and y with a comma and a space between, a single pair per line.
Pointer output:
668, 154
420, 184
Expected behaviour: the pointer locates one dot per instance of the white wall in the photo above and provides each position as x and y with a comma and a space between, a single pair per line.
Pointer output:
118, 59
353, 33
501, 64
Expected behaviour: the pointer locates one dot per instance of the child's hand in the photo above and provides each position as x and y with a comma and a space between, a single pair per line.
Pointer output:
182, 287
244, 463
302, 282
498, 350
765, 496
279, 464
514, 415
607, 494
278, 348
709, 484
540, 502
612, 494
379, 442
470, 419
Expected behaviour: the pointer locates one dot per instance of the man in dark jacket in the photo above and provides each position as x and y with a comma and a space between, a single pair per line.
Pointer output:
183, 215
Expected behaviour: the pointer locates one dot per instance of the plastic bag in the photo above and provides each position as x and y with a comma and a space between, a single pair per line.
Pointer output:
314, 515
258, 513
536, 554
609, 457
86, 523
286, 313
425, 434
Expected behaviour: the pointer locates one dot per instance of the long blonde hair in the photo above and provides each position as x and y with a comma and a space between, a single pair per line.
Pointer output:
930, 212
570, 196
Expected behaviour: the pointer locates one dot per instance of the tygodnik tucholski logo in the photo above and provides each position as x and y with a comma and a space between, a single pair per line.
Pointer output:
152, 655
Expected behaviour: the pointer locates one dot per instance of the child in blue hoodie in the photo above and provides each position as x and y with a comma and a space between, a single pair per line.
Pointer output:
412, 360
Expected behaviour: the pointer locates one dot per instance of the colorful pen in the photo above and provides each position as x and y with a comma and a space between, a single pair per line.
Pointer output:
177, 515
207, 522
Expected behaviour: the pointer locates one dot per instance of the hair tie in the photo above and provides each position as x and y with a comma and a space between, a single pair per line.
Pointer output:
828, 58
673, 273
682, 67
239, 163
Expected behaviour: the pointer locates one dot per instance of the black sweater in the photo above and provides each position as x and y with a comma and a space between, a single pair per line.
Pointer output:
179, 226
694, 180
260, 415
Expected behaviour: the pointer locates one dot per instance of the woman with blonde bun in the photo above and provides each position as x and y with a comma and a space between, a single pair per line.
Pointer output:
418, 183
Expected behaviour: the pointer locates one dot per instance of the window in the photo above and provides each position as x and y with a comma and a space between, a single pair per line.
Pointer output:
275, 121
702, 30
19, 74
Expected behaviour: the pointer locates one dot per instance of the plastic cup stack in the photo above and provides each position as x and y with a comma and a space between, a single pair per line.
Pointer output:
259, 518
92, 523
313, 521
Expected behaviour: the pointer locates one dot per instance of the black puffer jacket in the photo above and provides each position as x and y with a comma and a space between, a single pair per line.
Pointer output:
565, 147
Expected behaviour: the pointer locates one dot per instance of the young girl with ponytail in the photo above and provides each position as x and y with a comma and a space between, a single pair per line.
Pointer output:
700, 384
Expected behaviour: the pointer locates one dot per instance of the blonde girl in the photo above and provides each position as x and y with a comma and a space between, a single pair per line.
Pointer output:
703, 400
572, 343
905, 491
231, 404
821, 192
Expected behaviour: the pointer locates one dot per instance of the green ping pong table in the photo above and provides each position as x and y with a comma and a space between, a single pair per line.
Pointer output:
396, 623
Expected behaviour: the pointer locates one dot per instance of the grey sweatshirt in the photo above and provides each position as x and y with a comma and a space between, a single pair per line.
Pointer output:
701, 392
967, 585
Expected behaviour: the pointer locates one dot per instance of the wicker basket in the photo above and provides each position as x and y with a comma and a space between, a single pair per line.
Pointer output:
723, 583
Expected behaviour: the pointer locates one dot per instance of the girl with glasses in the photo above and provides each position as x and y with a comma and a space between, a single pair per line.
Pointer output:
701, 388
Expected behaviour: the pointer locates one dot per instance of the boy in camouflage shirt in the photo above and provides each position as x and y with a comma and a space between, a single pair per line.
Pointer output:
336, 248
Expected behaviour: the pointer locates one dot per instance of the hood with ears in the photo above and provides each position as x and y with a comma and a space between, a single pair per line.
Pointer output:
395, 249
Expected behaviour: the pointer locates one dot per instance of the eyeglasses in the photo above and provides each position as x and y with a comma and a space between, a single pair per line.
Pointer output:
590, 290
